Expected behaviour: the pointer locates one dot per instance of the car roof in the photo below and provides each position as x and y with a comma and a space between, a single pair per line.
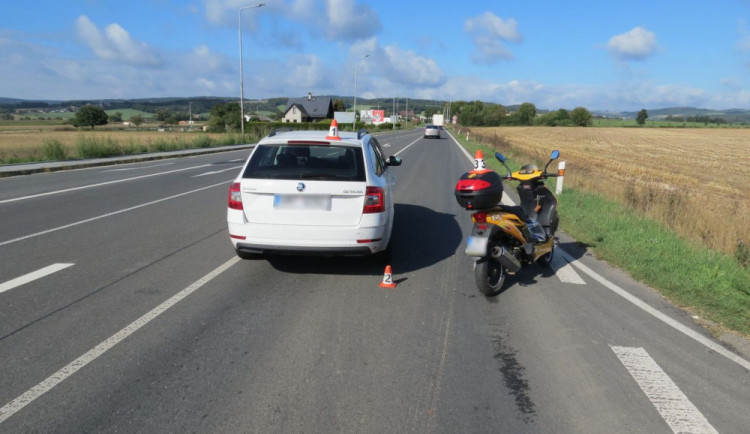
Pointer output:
347, 137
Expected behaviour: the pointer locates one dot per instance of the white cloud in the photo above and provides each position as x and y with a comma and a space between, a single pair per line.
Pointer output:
204, 60
490, 32
743, 44
226, 12
205, 83
114, 44
731, 83
305, 72
336, 20
396, 65
636, 44
348, 20
409, 68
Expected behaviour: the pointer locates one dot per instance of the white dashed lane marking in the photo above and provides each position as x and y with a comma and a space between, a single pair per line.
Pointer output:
35, 275
58, 377
565, 272
215, 172
673, 406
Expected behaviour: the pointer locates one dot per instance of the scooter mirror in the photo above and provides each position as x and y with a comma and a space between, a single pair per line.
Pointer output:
554, 155
500, 157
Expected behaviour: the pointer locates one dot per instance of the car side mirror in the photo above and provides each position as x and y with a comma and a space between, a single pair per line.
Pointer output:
393, 161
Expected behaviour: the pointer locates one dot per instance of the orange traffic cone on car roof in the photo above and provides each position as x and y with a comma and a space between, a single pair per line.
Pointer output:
387, 278
333, 132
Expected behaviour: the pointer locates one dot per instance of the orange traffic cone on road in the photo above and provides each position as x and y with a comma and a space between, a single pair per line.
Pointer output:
333, 132
387, 278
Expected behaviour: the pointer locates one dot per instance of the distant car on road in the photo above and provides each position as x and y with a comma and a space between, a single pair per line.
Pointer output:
431, 131
311, 193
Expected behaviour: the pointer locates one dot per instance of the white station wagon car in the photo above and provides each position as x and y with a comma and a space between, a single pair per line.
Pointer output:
311, 193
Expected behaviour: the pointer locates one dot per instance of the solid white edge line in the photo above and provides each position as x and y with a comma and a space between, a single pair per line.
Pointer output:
675, 408
710, 344
34, 275
53, 380
647, 308
126, 169
25, 237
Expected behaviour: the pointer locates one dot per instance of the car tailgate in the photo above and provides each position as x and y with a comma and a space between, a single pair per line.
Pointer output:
308, 203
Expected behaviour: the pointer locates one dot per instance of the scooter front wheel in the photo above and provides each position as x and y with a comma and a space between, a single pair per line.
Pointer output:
546, 259
489, 275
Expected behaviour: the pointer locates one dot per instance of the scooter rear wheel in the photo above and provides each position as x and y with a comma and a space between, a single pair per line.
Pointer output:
490, 276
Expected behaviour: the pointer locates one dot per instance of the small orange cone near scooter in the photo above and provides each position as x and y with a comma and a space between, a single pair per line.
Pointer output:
388, 278
333, 132
479, 165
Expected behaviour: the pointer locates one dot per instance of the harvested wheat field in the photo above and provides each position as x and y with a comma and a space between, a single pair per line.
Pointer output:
697, 181
22, 140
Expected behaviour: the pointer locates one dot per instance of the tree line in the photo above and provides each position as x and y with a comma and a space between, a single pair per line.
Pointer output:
93, 116
483, 114
697, 119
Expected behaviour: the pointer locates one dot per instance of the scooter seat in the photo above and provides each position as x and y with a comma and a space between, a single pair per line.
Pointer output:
517, 210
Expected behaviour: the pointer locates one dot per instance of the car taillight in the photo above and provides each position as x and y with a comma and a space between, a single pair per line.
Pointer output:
235, 196
374, 200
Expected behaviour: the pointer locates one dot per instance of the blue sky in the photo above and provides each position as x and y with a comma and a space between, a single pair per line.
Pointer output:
618, 55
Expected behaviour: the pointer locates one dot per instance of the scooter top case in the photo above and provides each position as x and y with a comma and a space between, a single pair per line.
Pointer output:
479, 190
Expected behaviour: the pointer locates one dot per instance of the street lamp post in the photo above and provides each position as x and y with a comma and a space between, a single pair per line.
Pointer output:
356, 69
242, 86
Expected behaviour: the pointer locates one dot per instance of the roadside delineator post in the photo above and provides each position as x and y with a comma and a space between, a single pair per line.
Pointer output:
560, 173
387, 278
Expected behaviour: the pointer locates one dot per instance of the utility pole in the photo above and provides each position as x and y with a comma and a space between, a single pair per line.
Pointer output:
242, 85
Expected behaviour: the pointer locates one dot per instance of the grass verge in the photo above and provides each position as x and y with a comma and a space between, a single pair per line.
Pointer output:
707, 283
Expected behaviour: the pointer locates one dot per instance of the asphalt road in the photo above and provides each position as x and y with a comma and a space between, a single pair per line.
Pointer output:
124, 309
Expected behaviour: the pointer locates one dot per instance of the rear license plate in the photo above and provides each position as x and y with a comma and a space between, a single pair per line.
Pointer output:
303, 202
476, 246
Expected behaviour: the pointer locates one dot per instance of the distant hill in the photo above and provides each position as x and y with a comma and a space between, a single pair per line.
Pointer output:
203, 104
730, 115
6, 101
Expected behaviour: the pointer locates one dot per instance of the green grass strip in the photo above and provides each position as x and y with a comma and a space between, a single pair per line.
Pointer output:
709, 283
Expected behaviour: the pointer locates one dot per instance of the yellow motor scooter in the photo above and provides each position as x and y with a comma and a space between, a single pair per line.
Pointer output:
504, 238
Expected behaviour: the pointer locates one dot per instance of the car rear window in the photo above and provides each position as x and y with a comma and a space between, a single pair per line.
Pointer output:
431, 127
310, 162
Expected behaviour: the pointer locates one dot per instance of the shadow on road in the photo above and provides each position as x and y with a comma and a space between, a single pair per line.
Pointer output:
421, 237
529, 274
